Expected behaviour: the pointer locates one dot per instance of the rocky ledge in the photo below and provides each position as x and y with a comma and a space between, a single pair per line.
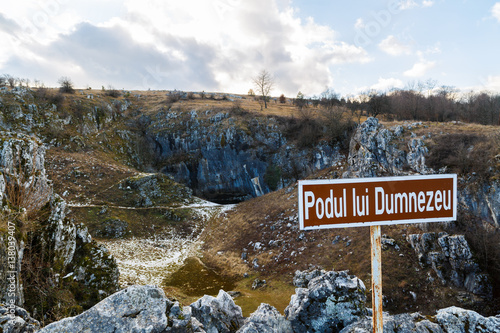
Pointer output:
324, 302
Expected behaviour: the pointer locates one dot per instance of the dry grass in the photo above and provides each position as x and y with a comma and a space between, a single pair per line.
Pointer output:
273, 218
83, 175
432, 129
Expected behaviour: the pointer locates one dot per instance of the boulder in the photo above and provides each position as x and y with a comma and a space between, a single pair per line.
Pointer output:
266, 319
330, 302
180, 319
458, 320
218, 314
14, 319
301, 278
135, 309
448, 320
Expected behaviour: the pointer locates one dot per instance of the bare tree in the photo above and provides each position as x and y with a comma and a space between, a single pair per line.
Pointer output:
66, 85
264, 83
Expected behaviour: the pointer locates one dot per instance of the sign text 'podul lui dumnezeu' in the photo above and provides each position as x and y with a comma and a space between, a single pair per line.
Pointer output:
339, 203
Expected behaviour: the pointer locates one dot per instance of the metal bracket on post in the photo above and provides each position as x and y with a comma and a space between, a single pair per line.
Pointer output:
376, 254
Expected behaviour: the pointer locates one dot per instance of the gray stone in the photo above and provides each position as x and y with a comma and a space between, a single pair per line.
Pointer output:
17, 320
458, 320
180, 319
135, 309
301, 278
377, 151
266, 319
218, 314
329, 303
451, 259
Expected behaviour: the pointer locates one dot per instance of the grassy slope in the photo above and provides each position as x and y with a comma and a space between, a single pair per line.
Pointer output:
87, 173
267, 220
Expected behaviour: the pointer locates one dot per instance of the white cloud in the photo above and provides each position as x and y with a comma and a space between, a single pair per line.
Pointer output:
420, 68
496, 11
360, 24
407, 4
427, 3
492, 83
391, 45
193, 44
387, 84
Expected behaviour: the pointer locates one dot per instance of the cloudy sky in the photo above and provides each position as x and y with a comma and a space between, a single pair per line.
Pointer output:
308, 45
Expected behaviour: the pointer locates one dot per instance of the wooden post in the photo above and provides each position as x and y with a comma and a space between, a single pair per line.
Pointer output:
376, 255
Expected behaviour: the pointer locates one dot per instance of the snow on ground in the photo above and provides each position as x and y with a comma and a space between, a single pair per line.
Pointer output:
149, 261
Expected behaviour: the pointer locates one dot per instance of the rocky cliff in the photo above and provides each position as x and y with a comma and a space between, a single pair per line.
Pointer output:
229, 159
52, 261
376, 150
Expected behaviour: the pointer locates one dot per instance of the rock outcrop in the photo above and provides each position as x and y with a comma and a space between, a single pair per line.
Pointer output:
451, 259
378, 151
217, 314
448, 320
14, 319
330, 302
135, 309
266, 319
333, 302
76, 264
226, 162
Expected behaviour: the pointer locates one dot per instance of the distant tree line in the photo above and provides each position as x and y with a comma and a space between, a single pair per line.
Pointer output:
441, 104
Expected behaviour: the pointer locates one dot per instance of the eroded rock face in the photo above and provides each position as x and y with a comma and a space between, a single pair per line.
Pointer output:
22, 161
218, 314
225, 162
333, 302
14, 319
68, 249
451, 259
24, 188
448, 320
378, 151
329, 303
181, 320
266, 319
135, 309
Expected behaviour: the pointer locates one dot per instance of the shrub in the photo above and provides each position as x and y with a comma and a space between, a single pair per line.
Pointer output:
112, 92
272, 176
66, 85
463, 153
174, 97
338, 125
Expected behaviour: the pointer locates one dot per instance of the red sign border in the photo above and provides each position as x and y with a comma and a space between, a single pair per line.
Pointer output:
301, 183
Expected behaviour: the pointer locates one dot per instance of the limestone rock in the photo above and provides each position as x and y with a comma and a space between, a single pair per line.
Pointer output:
17, 320
22, 161
451, 259
266, 319
454, 319
180, 319
218, 314
329, 303
448, 320
377, 151
68, 249
135, 309
301, 278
